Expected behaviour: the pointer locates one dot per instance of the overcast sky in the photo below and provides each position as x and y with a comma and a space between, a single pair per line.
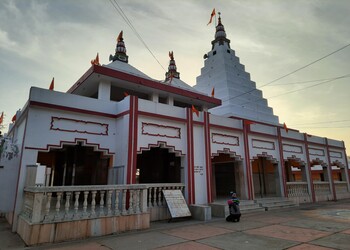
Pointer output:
44, 39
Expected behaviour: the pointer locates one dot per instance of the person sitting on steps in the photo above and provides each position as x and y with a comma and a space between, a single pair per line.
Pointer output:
235, 213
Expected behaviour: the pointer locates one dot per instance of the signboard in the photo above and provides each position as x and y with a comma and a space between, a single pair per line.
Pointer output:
176, 203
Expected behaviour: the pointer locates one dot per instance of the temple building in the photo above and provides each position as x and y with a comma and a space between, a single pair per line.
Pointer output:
99, 156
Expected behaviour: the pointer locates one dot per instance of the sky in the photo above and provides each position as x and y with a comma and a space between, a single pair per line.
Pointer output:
42, 39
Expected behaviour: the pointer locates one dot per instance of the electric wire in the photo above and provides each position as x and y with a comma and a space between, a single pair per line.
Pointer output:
294, 71
293, 91
310, 81
128, 22
308, 87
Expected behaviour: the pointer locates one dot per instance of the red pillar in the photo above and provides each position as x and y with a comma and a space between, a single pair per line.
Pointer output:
132, 141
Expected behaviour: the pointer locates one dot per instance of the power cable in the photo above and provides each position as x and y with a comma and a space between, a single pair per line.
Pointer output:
312, 123
317, 84
279, 78
128, 22
309, 86
310, 81
293, 91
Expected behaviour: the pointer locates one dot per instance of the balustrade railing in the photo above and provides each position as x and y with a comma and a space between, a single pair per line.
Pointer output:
297, 189
322, 188
341, 187
66, 203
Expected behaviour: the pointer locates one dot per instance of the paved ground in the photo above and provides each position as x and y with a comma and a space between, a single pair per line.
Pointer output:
313, 226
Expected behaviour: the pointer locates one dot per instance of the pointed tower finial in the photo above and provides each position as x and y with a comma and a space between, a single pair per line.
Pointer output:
220, 34
172, 73
120, 50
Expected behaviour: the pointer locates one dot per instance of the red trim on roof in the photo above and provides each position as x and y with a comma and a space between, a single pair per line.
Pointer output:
82, 79
141, 81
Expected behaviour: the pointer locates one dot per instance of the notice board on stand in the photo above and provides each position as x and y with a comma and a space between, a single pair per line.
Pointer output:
176, 203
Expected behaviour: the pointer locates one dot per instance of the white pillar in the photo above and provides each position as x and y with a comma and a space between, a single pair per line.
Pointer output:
155, 97
170, 101
104, 91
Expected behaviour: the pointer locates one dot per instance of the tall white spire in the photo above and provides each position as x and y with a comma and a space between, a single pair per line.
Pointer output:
223, 71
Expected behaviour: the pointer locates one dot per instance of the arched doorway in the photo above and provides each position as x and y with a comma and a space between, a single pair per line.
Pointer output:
227, 175
76, 165
158, 165
265, 177
295, 170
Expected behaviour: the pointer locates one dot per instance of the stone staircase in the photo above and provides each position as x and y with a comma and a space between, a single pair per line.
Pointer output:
220, 208
275, 203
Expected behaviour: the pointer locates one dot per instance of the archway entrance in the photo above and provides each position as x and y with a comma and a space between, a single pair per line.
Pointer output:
76, 165
227, 175
265, 178
295, 171
158, 165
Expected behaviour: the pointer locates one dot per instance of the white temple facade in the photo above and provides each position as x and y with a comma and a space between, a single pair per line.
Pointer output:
99, 155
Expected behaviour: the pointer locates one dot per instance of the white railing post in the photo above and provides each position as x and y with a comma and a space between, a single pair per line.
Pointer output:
124, 212
37, 206
48, 205
76, 204
86, 194
143, 202
67, 205
93, 203
102, 202
138, 205
109, 202
116, 204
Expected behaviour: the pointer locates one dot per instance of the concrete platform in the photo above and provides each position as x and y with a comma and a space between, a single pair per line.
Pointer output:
325, 225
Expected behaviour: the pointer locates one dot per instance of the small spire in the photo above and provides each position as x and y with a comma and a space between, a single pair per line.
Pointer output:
172, 70
220, 34
120, 50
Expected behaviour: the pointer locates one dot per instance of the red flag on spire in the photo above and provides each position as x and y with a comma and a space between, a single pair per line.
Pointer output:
195, 110
213, 92
211, 16
285, 127
14, 118
52, 85
2, 117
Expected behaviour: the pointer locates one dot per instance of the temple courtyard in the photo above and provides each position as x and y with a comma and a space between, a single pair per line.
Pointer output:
323, 225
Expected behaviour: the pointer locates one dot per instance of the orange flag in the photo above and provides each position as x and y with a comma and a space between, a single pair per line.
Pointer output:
96, 61
285, 127
14, 118
1, 118
195, 110
211, 16
52, 85
246, 122
213, 92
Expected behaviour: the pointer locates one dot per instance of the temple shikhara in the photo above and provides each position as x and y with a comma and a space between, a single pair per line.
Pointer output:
94, 160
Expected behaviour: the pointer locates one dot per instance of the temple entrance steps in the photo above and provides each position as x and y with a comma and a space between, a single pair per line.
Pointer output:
219, 208
275, 203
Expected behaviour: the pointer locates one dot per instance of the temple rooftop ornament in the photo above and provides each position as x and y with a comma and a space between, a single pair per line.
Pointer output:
172, 73
220, 34
120, 50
